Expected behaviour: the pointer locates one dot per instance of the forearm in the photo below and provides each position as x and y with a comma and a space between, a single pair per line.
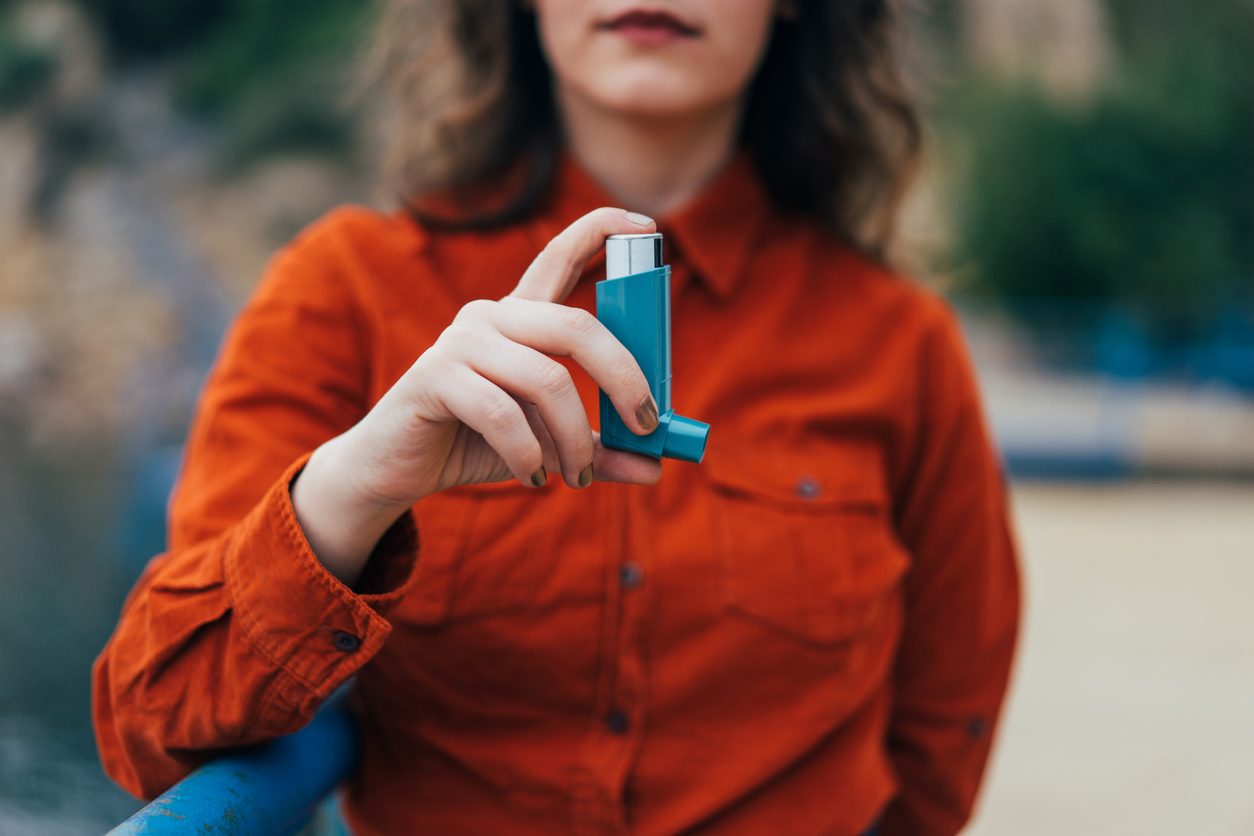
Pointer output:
341, 520
231, 642
940, 750
962, 601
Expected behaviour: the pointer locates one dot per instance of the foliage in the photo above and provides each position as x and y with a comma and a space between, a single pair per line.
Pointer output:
139, 29
24, 71
279, 72
261, 41
275, 72
1146, 194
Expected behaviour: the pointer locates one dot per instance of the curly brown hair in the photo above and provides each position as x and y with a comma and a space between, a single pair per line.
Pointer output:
830, 124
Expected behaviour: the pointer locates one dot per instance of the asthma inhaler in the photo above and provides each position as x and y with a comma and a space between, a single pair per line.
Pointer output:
634, 303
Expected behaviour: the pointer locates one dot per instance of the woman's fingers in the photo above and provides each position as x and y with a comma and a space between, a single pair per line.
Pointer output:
489, 411
552, 463
536, 379
608, 465
555, 270
522, 438
573, 332
620, 466
494, 353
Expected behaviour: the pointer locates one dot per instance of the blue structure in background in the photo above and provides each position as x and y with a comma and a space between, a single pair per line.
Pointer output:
141, 520
1124, 355
271, 790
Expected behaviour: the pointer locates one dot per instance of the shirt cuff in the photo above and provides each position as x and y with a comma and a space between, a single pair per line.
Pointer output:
297, 614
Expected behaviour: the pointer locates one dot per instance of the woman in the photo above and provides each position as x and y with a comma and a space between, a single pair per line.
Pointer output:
810, 632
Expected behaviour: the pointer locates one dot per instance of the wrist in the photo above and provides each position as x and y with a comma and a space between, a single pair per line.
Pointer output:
341, 521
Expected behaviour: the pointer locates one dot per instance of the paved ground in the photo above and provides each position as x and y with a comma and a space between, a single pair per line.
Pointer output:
1133, 705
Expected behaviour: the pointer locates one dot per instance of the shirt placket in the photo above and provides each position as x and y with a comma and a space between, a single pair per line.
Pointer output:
615, 732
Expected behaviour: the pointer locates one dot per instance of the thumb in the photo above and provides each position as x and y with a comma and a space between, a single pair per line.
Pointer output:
553, 274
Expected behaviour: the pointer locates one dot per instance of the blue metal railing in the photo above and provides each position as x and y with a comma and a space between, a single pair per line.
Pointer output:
270, 790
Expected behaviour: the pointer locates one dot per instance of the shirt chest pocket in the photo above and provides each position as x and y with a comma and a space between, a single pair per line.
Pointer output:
805, 539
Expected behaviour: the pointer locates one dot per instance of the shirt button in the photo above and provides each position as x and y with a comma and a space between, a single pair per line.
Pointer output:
976, 728
617, 722
346, 642
808, 487
630, 575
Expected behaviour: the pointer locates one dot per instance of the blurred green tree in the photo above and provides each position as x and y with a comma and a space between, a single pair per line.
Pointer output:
139, 29
25, 70
1145, 194
276, 72
279, 71
257, 41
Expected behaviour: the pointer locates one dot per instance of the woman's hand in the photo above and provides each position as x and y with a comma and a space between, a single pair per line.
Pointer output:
485, 403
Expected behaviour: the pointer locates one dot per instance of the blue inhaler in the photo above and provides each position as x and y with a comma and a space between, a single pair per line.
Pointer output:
634, 303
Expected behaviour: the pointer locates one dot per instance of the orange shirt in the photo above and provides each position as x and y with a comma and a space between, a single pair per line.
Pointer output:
809, 630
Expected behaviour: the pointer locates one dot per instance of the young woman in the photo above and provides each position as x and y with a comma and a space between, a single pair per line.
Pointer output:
392, 473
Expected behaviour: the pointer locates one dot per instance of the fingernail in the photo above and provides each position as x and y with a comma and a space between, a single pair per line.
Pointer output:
638, 219
539, 478
585, 477
646, 414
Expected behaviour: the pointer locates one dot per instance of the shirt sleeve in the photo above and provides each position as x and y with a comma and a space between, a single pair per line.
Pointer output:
962, 600
238, 633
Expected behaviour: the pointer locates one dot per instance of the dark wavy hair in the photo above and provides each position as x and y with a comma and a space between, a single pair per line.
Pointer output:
830, 124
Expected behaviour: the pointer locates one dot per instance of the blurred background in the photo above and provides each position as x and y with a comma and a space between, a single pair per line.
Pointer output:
1087, 204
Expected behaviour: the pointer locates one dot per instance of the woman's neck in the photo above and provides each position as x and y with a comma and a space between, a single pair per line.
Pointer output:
651, 165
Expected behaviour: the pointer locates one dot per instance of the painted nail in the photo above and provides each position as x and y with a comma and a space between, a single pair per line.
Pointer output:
646, 414
539, 478
585, 477
638, 219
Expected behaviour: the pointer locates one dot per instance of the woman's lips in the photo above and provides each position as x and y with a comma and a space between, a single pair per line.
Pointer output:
650, 28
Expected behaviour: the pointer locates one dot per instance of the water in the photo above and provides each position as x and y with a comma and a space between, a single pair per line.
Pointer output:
61, 587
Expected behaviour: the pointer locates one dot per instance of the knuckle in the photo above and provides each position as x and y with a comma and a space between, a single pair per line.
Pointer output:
554, 380
441, 352
579, 323
435, 366
452, 333
478, 309
461, 337
501, 413
447, 346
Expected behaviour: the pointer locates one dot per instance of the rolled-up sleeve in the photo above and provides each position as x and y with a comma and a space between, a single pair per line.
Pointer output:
238, 633
962, 599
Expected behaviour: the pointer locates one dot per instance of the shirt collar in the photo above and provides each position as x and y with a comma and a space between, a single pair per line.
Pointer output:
714, 235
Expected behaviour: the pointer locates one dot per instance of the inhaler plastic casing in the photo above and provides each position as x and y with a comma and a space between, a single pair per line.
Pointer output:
634, 303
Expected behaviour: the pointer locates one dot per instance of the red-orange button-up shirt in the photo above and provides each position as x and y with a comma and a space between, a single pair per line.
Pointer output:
807, 632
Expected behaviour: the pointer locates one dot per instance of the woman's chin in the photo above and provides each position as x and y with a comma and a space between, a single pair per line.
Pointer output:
657, 96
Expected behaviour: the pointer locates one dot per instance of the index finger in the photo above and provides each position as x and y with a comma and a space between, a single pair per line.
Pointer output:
553, 274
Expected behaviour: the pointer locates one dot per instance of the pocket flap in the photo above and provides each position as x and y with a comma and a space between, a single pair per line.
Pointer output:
823, 476
195, 570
